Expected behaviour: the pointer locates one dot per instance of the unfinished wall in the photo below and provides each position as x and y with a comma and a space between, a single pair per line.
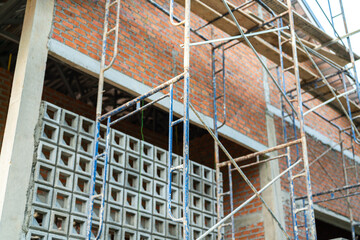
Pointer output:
136, 190
150, 53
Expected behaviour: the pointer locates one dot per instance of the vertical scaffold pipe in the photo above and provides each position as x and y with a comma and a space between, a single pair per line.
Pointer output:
186, 119
311, 216
216, 147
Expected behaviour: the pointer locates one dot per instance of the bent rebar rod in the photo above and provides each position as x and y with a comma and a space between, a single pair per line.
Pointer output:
239, 170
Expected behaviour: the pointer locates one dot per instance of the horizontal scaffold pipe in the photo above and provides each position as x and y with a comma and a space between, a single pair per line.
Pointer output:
142, 97
252, 155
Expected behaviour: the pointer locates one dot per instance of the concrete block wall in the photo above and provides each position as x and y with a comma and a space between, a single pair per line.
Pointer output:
136, 197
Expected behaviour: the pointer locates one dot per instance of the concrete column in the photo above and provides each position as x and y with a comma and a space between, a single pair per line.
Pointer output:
268, 171
16, 160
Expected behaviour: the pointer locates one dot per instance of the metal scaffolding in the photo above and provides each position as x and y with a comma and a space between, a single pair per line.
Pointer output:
277, 39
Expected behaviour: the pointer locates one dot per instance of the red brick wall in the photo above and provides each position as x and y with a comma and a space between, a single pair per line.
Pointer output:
150, 52
5, 90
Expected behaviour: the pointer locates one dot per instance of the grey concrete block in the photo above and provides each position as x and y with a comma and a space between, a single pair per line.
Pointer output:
131, 180
132, 162
175, 211
129, 234
145, 222
103, 129
82, 185
131, 199
196, 185
64, 179
95, 231
207, 174
118, 139
147, 150
146, 185
52, 113
160, 189
36, 234
79, 205
116, 176
157, 238
69, 120
214, 176
159, 226
208, 221
40, 218
146, 203
68, 139
175, 194
86, 127
101, 150
114, 214
175, 160
112, 232
196, 218
44, 174
117, 157
77, 227
97, 209
100, 170
130, 218
210, 236
49, 132
196, 201
181, 196
61, 200
147, 167
83, 164
47, 152
159, 208
132, 145
195, 169
98, 187
42, 195
144, 236
175, 178
160, 172
115, 194
85, 145
208, 205
59, 222
195, 232
207, 189
65, 159
160, 156
172, 230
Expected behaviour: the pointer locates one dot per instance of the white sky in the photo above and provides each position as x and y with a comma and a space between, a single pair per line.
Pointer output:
352, 13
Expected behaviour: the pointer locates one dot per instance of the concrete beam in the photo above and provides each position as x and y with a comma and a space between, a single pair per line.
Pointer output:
16, 159
91, 66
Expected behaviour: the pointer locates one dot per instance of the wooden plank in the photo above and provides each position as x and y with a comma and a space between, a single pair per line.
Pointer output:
310, 29
248, 21
229, 27
264, 43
